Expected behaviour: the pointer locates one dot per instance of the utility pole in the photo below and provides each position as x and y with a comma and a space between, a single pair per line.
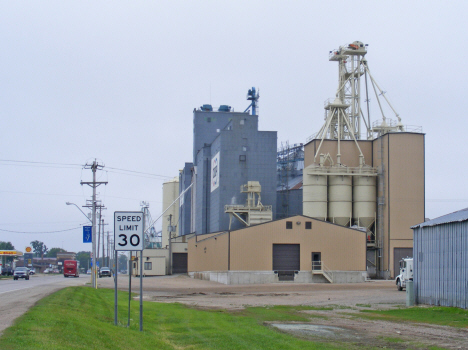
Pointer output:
108, 249
94, 166
103, 255
89, 205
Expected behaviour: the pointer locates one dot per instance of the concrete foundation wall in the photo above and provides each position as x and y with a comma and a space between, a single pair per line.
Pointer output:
263, 277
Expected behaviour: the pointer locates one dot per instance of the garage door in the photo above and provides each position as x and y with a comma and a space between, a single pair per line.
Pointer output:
179, 263
398, 254
286, 257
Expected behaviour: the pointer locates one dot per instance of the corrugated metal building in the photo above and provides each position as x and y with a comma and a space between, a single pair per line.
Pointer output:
297, 249
441, 260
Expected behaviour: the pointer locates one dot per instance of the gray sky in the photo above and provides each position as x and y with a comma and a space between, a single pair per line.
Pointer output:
118, 81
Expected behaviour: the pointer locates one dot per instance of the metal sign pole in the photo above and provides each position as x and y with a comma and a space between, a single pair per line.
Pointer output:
141, 291
130, 272
129, 236
115, 280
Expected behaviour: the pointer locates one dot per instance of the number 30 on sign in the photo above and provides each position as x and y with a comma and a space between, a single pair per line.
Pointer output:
128, 230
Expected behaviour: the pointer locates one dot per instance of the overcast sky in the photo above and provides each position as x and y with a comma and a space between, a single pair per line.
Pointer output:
118, 81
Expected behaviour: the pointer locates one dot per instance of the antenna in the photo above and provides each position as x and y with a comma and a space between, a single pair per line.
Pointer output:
253, 95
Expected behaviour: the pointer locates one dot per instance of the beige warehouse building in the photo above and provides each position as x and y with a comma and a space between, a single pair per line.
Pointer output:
298, 249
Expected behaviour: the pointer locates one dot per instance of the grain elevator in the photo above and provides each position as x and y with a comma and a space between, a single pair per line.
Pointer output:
362, 173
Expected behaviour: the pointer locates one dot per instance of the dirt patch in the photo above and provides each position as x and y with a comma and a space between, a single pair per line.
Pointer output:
402, 335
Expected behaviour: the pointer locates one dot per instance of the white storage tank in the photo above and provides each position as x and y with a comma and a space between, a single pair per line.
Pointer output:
314, 192
364, 197
340, 196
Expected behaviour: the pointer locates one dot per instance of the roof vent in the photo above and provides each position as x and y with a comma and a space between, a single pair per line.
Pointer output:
208, 108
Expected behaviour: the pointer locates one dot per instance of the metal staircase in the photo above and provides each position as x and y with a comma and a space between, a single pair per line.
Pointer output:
319, 268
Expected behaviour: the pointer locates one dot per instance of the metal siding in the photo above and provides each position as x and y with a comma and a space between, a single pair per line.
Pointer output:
342, 249
294, 202
349, 151
213, 258
405, 186
185, 178
441, 277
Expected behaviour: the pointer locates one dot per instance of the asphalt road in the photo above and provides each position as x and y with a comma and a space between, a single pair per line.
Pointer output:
16, 297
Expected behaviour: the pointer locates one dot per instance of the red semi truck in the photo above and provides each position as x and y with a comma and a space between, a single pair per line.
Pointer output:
70, 268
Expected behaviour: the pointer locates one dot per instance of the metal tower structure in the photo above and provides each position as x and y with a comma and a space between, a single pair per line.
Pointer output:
253, 95
344, 113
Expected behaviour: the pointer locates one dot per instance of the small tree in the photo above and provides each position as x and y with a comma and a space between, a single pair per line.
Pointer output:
52, 253
39, 249
123, 265
83, 258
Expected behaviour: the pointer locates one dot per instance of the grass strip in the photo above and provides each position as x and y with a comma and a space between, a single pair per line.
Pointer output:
445, 316
83, 318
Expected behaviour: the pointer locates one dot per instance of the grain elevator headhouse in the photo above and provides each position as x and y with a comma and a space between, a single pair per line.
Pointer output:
365, 172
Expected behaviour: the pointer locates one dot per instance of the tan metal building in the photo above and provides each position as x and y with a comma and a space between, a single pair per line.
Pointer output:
157, 262
298, 249
398, 158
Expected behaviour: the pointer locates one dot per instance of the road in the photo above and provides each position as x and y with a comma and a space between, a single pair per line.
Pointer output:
16, 297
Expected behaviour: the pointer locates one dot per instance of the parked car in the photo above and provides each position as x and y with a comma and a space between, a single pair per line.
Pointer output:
21, 272
7, 271
48, 270
88, 272
105, 271
32, 271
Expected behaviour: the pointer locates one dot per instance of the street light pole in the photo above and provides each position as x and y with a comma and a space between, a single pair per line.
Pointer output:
68, 203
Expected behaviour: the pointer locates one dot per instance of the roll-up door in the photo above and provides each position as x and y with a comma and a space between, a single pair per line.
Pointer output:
286, 257
398, 254
179, 262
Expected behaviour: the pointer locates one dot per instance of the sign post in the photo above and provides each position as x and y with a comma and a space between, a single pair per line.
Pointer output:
129, 236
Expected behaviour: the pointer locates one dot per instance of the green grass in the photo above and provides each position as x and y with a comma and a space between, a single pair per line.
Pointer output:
446, 316
363, 305
83, 318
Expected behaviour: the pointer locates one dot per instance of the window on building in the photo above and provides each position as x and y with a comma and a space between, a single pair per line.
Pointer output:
242, 121
289, 225
208, 119
308, 225
242, 158
148, 266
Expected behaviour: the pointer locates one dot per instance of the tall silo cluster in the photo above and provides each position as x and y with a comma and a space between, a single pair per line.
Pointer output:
339, 194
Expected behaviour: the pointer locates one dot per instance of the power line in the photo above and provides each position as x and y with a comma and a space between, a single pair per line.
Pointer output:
62, 165
35, 162
138, 172
35, 232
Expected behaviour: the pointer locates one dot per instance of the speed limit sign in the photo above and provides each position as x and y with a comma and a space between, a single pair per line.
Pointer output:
128, 230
